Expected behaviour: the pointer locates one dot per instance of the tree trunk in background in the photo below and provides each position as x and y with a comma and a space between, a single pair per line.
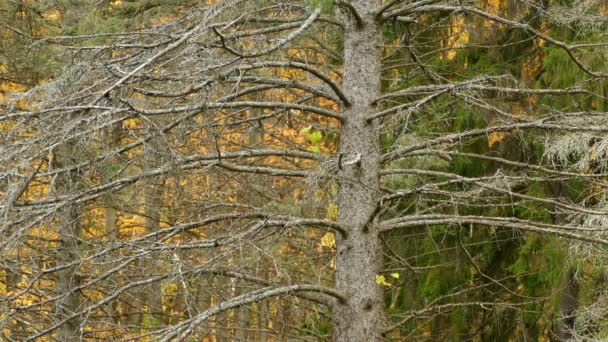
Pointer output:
153, 191
568, 301
359, 256
243, 320
263, 320
68, 247
568, 305
110, 218
110, 215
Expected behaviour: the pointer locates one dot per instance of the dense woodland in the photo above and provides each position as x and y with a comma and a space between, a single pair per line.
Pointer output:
319, 170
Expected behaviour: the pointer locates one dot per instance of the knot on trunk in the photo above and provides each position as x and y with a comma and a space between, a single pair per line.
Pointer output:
367, 304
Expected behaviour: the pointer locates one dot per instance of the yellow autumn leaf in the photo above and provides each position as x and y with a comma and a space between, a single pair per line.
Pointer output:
332, 211
381, 280
131, 123
395, 275
495, 137
459, 37
328, 240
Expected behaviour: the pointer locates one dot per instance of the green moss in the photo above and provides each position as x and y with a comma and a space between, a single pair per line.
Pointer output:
327, 6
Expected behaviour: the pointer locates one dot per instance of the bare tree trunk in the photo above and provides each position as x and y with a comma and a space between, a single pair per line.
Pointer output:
243, 319
263, 320
359, 256
153, 191
110, 217
568, 305
67, 279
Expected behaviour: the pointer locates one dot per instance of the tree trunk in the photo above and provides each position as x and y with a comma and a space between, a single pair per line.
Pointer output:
359, 257
263, 320
243, 321
568, 305
153, 191
110, 219
67, 279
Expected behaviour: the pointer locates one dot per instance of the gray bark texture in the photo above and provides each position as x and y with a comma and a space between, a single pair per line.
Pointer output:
359, 257
68, 247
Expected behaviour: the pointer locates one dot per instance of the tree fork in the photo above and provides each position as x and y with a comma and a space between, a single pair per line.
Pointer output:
359, 257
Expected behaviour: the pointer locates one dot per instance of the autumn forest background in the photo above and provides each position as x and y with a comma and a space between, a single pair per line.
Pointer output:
185, 170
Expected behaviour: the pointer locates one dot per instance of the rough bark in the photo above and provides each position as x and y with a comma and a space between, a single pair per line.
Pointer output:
68, 246
359, 258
